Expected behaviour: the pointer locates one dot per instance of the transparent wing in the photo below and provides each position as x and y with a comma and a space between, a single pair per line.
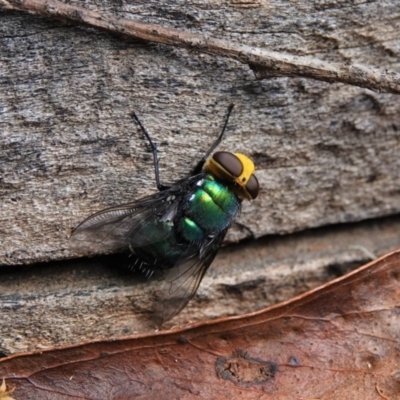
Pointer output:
109, 230
179, 283
112, 230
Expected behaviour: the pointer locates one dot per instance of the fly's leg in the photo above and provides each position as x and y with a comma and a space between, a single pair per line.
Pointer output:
153, 148
197, 169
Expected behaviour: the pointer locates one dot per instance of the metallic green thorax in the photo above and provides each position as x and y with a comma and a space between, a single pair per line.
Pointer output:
208, 209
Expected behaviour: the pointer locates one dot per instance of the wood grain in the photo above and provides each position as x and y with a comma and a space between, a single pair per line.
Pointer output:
70, 302
334, 342
326, 153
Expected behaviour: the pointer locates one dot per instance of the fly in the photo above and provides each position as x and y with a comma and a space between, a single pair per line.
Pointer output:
175, 233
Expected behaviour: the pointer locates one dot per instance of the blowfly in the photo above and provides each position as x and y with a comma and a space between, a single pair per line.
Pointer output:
175, 233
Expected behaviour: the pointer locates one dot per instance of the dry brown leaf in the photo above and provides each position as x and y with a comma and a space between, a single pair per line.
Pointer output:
340, 341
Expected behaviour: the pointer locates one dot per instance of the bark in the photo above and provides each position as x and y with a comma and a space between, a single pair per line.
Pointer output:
326, 153
55, 304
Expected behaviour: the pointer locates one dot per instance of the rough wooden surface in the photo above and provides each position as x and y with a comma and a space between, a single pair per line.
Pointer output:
326, 153
264, 62
70, 302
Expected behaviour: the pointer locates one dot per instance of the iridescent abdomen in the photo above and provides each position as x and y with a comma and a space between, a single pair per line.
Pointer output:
209, 209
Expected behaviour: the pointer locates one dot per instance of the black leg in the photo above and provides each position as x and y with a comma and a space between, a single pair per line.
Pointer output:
197, 169
153, 148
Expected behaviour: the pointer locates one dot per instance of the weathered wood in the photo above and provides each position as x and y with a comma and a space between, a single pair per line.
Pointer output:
55, 304
265, 63
325, 153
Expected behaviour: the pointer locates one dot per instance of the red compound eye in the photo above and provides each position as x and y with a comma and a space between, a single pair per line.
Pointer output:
253, 187
229, 162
